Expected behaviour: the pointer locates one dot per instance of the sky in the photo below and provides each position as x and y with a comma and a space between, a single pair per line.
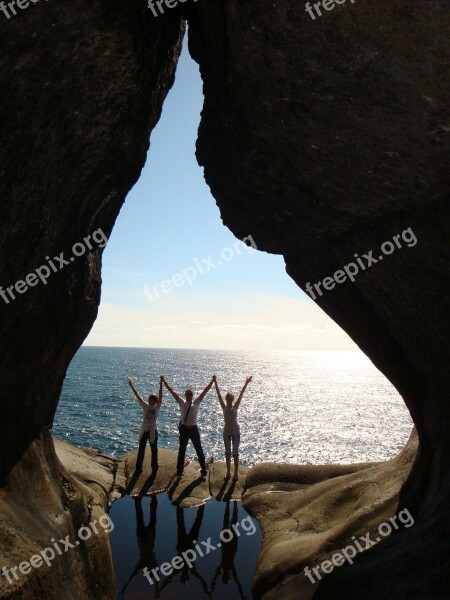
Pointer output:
175, 277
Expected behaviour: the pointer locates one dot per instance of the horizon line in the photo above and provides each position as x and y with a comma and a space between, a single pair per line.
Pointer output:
215, 349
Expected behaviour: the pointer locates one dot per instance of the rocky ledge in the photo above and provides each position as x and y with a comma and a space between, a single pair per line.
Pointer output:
307, 512
66, 488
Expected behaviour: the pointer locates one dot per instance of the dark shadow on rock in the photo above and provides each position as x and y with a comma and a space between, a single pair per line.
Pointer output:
132, 483
148, 483
225, 495
187, 490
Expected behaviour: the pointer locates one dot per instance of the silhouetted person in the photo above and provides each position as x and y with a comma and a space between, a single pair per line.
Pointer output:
188, 427
148, 431
231, 431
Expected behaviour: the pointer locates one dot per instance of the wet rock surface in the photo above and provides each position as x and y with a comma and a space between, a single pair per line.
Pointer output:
308, 512
324, 139
186, 492
46, 501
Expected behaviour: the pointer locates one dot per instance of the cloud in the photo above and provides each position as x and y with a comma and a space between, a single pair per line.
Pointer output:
212, 320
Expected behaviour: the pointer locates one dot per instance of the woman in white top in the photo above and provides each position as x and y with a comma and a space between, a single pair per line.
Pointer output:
148, 431
231, 431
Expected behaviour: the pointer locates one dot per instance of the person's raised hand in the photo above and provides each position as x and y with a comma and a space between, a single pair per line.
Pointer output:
249, 378
214, 378
129, 381
161, 378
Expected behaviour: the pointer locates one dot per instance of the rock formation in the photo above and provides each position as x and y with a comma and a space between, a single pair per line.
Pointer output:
83, 85
48, 497
321, 138
308, 513
324, 139
190, 490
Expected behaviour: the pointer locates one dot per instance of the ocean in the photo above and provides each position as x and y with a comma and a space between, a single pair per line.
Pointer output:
301, 407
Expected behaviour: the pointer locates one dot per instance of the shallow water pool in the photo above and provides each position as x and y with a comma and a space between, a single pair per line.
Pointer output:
150, 531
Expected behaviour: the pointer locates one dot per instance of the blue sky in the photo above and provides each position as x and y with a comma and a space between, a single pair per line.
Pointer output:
169, 223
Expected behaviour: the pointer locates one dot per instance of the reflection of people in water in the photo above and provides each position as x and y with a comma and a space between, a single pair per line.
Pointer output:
229, 550
187, 541
146, 537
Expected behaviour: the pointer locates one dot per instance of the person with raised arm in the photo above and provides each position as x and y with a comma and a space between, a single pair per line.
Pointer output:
231, 431
148, 431
188, 427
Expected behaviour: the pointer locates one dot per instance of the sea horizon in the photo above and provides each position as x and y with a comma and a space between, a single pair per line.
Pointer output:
284, 416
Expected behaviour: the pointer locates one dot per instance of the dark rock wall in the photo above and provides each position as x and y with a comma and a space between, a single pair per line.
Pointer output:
356, 104
325, 138
82, 85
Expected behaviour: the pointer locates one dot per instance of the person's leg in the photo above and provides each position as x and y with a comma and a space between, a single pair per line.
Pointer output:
195, 437
154, 448
184, 439
141, 451
236, 441
227, 442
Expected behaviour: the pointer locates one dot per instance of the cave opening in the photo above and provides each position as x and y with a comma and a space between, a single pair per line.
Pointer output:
355, 128
182, 295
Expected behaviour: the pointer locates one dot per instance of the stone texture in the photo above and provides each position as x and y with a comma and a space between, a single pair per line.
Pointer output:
190, 490
307, 513
225, 491
93, 469
84, 86
147, 483
42, 501
326, 138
